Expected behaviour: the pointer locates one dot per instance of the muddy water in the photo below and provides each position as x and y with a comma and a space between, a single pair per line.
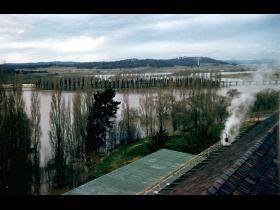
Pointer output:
134, 96
45, 97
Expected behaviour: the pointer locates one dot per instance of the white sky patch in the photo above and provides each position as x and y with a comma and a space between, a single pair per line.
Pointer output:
73, 44
20, 31
22, 58
195, 21
18, 58
79, 44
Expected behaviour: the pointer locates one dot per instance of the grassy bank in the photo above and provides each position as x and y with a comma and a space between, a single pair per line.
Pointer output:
124, 155
120, 157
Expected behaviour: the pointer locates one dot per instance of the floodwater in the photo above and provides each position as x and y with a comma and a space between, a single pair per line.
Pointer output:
134, 95
45, 97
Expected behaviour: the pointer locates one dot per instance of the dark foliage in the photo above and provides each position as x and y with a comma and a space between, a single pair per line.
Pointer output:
158, 140
99, 119
15, 149
266, 100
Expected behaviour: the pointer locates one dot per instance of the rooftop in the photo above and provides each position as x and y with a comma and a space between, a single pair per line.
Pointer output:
254, 173
198, 180
135, 177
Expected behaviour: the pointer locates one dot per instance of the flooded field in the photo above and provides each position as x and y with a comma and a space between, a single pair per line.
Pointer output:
134, 95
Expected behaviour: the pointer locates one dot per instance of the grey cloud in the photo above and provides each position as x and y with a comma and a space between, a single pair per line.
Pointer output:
126, 36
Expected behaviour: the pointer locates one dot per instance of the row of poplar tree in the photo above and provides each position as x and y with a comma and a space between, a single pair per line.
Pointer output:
73, 137
19, 145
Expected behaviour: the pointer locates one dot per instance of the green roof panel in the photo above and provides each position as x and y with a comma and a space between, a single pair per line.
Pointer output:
136, 176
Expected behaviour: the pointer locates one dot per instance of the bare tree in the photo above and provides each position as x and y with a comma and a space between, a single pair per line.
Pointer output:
88, 100
147, 113
79, 123
69, 140
127, 116
162, 108
57, 135
36, 132
173, 110
143, 110
128, 122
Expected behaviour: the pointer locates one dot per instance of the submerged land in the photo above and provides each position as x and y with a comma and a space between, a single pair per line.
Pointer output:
84, 120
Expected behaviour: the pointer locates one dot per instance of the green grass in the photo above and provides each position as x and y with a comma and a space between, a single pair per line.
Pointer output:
188, 141
177, 142
120, 157
130, 153
124, 155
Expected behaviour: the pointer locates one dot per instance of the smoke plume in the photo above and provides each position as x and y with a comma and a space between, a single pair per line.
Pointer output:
241, 104
264, 73
237, 110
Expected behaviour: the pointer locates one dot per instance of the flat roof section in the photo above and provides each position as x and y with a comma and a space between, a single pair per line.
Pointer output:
136, 176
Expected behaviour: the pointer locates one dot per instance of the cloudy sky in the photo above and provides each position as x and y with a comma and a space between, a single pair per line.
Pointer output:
33, 38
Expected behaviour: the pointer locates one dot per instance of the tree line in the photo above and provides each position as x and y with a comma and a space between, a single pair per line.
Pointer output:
72, 138
75, 137
19, 142
126, 82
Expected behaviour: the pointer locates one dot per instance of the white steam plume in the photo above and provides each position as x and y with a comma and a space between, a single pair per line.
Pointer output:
241, 104
263, 73
237, 110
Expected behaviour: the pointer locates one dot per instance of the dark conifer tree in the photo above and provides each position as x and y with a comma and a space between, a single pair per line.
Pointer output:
99, 119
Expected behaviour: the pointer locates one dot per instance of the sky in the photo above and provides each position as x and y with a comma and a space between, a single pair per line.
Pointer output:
35, 38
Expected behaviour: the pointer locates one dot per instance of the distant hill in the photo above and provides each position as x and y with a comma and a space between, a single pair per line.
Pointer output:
128, 63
